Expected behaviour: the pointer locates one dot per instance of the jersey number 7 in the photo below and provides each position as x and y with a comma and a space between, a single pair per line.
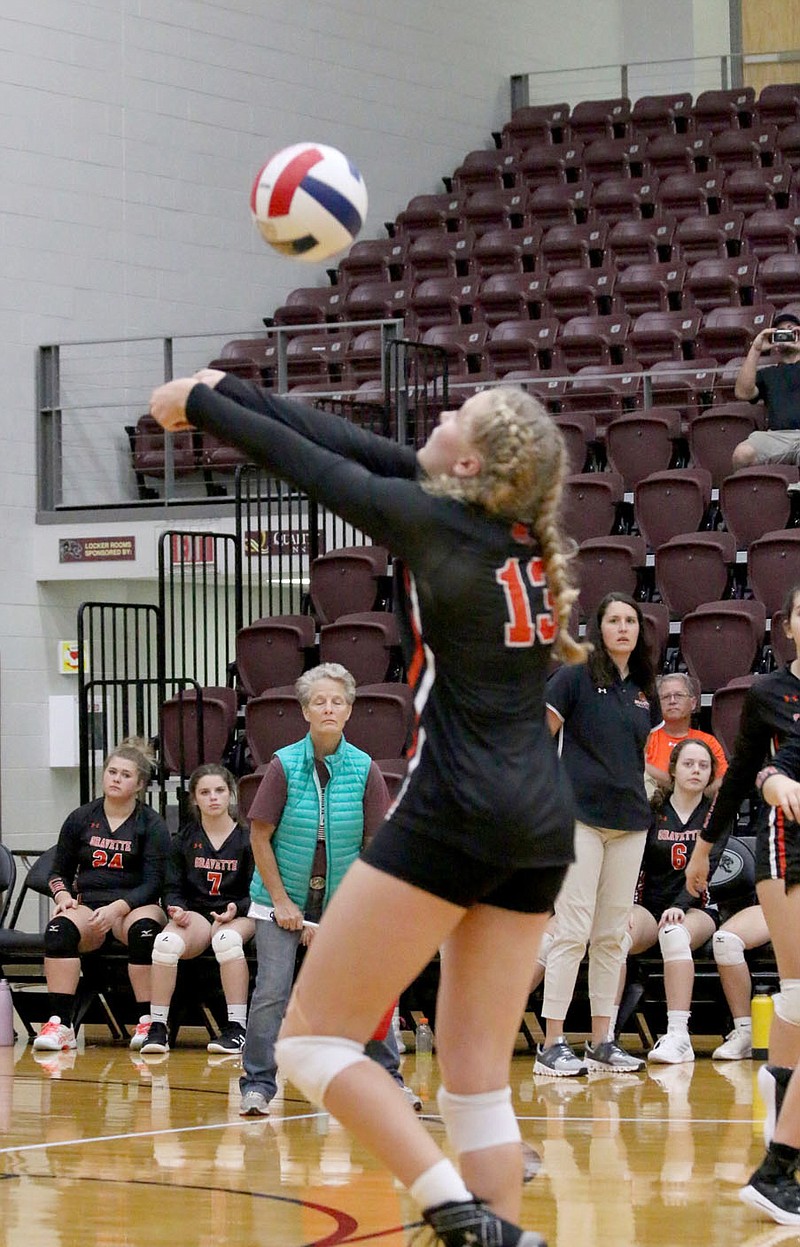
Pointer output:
523, 628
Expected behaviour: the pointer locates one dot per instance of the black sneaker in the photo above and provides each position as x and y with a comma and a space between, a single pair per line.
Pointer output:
774, 1192
230, 1040
470, 1223
156, 1040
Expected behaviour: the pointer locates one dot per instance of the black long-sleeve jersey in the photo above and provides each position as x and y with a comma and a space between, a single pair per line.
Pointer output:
770, 714
98, 865
474, 618
668, 848
205, 879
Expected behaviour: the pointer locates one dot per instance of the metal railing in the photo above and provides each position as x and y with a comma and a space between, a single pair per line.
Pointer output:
636, 78
91, 396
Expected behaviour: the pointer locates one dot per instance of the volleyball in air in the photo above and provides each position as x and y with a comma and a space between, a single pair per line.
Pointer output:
309, 201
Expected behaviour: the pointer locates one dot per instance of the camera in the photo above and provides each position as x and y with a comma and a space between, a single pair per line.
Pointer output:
784, 336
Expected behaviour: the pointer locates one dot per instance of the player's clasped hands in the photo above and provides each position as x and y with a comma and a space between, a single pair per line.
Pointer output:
168, 401
168, 404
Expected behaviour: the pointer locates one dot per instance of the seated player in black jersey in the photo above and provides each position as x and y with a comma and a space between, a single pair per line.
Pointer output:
207, 896
475, 847
107, 878
665, 912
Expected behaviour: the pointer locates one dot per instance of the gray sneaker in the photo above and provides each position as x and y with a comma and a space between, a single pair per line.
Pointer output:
254, 1104
558, 1059
609, 1056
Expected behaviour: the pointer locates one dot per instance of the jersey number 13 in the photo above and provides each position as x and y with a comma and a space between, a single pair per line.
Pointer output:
524, 627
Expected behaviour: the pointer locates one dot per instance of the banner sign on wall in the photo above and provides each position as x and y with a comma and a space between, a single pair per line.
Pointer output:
96, 549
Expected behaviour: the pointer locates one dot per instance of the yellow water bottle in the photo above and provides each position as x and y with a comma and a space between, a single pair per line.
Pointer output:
761, 1010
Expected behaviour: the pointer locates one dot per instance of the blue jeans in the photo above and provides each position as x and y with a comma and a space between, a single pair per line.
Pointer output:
276, 952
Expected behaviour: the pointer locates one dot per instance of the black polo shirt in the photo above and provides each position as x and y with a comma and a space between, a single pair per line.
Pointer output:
779, 389
603, 740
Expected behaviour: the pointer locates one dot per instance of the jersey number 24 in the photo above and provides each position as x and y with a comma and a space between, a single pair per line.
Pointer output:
524, 627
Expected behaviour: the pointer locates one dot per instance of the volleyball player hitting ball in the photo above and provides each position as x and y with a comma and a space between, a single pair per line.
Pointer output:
473, 852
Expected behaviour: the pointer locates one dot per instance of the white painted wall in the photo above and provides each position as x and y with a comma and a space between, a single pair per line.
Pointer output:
130, 131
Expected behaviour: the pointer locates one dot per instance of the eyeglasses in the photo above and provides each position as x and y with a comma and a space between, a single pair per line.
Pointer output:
675, 697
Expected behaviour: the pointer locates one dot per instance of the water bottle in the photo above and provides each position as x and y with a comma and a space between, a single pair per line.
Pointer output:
424, 1051
761, 1009
7, 1036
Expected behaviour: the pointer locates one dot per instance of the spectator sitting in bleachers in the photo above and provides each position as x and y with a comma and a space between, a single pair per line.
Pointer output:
778, 387
678, 695
665, 911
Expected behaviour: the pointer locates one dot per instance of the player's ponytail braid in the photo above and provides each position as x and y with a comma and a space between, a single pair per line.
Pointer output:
562, 591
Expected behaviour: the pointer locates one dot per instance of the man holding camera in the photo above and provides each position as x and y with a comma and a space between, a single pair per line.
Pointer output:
778, 387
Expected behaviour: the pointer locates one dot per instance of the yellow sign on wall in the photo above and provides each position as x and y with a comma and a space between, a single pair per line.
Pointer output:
68, 658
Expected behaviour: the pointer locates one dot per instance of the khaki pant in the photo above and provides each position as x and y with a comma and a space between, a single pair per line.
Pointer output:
593, 908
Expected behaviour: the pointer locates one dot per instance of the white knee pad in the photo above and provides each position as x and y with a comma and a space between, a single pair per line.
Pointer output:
477, 1121
544, 948
168, 948
311, 1062
227, 946
728, 948
787, 1002
675, 942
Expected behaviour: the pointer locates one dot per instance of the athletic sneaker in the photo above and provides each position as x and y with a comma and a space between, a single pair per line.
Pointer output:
775, 1193
772, 1081
738, 1046
54, 1037
412, 1097
254, 1104
230, 1040
672, 1049
140, 1034
609, 1055
155, 1040
558, 1059
470, 1223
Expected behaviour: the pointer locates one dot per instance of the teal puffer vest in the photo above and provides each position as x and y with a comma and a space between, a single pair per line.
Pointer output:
295, 837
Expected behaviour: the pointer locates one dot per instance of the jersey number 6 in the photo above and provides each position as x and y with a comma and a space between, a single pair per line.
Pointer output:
522, 629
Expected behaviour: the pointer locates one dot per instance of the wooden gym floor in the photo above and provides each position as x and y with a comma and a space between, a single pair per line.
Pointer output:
103, 1148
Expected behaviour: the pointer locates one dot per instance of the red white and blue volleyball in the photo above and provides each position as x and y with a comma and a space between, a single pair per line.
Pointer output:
309, 201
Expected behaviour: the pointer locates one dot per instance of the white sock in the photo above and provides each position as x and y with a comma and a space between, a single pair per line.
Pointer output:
145, 1017
678, 1022
237, 1013
159, 1013
742, 1024
612, 1021
438, 1185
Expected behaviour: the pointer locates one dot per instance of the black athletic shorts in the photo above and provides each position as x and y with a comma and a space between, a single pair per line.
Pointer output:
454, 876
778, 849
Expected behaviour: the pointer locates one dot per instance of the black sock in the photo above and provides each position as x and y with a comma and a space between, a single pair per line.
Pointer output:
782, 1158
62, 1005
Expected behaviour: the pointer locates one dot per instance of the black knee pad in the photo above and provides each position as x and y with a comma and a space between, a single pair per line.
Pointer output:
141, 937
61, 938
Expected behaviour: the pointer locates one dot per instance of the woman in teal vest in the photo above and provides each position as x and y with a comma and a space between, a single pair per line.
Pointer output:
319, 800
